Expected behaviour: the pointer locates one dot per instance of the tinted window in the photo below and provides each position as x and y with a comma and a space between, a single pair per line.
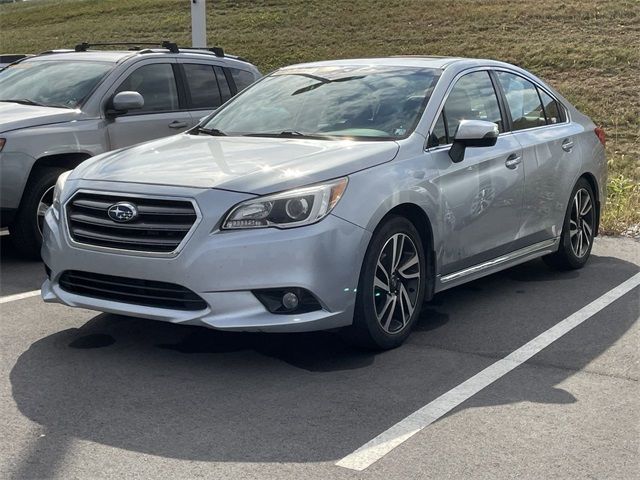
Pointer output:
51, 82
552, 110
523, 101
203, 86
242, 78
225, 90
439, 134
472, 98
157, 86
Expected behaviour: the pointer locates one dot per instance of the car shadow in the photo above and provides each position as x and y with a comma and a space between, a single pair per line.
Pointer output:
190, 393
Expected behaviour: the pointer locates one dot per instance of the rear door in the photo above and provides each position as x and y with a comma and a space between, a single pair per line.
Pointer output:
550, 153
208, 85
482, 195
164, 112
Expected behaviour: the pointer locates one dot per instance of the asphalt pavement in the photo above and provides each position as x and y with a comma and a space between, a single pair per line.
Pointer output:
91, 395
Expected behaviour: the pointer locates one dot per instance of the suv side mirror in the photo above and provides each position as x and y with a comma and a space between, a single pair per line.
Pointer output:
122, 102
473, 133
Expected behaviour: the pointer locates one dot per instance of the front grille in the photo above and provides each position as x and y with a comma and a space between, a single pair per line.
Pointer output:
130, 290
160, 226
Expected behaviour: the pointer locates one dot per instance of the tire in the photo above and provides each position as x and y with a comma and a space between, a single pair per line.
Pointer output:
387, 309
578, 230
25, 231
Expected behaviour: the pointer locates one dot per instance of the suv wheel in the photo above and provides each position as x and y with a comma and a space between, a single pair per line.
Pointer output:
391, 287
578, 230
26, 230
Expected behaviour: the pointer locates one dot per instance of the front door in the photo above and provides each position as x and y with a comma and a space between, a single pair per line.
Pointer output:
161, 115
481, 197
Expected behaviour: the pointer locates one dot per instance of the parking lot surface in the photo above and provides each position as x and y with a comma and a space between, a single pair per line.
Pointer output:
90, 395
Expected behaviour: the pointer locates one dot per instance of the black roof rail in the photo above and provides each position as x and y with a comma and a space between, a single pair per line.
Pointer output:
217, 51
171, 46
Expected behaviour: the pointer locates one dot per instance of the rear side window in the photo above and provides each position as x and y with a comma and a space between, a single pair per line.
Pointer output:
242, 78
472, 98
157, 85
523, 101
553, 111
225, 89
203, 86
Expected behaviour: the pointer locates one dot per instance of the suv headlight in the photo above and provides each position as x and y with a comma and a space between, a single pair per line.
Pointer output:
292, 208
57, 190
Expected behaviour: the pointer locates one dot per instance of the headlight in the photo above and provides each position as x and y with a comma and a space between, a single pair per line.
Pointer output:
292, 208
57, 191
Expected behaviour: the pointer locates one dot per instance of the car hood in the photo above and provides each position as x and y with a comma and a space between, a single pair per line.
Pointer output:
244, 164
14, 116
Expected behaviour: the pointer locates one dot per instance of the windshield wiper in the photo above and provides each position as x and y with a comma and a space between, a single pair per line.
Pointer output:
28, 101
214, 132
288, 134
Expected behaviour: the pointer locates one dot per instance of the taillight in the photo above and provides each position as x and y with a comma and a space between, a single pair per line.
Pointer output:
601, 135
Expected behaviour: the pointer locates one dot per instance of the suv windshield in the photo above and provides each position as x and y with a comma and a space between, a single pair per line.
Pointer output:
366, 103
51, 83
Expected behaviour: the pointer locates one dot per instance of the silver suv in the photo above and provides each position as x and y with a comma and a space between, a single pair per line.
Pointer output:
62, 107
333, 194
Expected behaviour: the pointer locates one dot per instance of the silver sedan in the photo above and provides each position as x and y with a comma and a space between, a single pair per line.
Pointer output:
332, 195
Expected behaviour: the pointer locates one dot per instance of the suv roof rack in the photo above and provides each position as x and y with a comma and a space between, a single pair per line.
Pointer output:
171, 46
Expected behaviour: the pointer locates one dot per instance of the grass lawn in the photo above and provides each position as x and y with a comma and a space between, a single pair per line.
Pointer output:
588, 49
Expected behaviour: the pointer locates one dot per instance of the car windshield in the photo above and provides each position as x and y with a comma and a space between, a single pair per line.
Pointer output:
51, 83
363, 103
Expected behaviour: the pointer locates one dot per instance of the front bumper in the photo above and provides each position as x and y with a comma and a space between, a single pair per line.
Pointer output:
223, 267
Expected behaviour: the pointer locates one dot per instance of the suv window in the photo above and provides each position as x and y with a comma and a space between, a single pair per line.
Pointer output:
472, 98
203, 86
553, 112
242, 78
523, 101
157, 85
225, 89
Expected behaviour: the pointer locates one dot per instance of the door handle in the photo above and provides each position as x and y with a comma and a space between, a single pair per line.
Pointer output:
513, 161
177, 124
567, 145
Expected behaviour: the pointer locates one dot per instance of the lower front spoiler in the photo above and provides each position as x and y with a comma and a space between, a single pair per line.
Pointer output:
234, 311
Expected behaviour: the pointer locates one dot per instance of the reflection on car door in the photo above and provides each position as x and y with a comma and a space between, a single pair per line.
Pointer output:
481, 197
162, 114
549, 154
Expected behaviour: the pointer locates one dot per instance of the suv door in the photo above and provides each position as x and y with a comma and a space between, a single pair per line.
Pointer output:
550, 157
163, 113
207, 86
482, 195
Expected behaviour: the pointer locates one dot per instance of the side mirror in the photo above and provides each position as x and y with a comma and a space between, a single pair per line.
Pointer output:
122, 102
473, 133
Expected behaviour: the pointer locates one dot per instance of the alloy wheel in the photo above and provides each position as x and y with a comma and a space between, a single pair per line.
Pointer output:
581, 223
46, 200
396, 283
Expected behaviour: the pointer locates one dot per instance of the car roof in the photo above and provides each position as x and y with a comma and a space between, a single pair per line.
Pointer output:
424, 61
116, 56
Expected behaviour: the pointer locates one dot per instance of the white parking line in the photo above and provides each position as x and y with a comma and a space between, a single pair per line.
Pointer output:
19, 296
377, 448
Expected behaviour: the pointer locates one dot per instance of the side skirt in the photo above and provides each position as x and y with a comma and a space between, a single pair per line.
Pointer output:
496, 264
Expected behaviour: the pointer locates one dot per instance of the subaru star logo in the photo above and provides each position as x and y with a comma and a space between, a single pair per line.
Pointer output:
122, 212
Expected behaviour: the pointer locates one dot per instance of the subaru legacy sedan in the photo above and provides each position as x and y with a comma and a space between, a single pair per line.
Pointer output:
333, 195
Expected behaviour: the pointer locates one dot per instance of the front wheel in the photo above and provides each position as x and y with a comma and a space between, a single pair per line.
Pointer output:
578, 230
26, 230
391, 287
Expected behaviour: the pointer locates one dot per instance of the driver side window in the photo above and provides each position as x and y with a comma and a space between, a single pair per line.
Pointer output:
157, 85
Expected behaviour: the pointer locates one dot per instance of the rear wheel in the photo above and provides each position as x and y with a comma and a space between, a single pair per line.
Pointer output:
26, 229
578, 230
391, 287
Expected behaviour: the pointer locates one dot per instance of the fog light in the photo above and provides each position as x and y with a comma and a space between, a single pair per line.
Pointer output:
290, 301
